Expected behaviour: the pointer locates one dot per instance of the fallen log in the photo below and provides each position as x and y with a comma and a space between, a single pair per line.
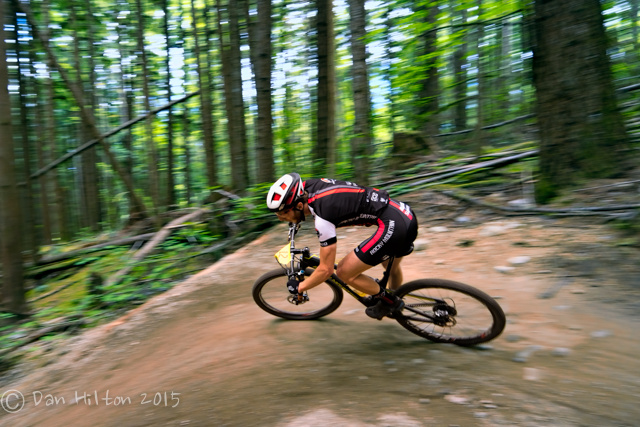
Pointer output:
158, 238
119, 242
589, 210
459, 170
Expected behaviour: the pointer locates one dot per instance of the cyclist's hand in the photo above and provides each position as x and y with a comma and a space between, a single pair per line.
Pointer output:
292, 286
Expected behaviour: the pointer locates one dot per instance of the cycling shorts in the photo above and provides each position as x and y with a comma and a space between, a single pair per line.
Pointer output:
397, 229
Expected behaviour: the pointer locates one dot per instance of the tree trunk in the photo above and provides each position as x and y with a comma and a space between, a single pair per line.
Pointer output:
127, 110
460, 76
12, 291
361, 147
205, 105
325, 154
506, 71
478, 134
260, 39
232, 73
24, 84
581, 129
185, 128
46, 147
153, 162
429, 91
89, 197
388, 73
170, 195
634, 60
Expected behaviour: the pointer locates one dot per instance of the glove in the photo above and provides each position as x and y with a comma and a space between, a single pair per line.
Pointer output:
292, 286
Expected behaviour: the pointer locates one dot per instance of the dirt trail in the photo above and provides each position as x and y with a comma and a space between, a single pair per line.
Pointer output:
204, 354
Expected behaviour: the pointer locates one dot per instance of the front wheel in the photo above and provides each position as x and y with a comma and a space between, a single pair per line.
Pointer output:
271, 294
449, 312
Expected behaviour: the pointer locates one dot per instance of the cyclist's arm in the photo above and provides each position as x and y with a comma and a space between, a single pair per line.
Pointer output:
324, 270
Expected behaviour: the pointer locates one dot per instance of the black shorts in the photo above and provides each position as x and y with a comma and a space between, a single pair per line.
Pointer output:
397, 229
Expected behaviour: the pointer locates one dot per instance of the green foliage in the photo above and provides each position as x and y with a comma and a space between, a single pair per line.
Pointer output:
630, 227
252, 204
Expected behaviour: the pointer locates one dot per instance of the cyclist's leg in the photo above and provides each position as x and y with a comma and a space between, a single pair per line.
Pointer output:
406, 231
350, 269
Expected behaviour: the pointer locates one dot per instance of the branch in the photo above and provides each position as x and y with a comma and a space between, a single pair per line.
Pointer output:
112, 132
629, 88
493, 126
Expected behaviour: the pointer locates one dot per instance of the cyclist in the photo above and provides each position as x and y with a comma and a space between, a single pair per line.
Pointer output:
334, 203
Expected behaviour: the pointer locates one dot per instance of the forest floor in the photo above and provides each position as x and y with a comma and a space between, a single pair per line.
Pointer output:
203, 354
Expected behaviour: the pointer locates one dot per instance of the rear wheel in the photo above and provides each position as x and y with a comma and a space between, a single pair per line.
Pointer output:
271, 294
449, 312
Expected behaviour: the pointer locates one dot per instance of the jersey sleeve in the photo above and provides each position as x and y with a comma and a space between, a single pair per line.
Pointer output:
326, 231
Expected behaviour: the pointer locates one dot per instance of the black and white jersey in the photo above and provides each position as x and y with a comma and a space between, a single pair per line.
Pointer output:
336, 203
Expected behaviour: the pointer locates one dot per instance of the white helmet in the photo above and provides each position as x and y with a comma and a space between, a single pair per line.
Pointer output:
285, 192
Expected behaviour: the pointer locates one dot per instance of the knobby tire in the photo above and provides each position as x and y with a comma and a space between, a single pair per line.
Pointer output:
270, 294
478, 317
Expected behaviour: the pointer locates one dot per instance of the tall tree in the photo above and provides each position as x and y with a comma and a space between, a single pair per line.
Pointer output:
204, 80
429, 91
362, 133
634, 8
83, 39
185, 116
12, 296
232, 72
581, 129
390, 56
261, 53
152, 151
46, 152
170, 194
481, 92
24, 86
325, 154
460, 75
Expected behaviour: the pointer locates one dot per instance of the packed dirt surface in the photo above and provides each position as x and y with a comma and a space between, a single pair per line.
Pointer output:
203, 354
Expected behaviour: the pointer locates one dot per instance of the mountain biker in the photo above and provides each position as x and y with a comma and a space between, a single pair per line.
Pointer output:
334, 203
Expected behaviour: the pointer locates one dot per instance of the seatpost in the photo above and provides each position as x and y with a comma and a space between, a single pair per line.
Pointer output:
386, 274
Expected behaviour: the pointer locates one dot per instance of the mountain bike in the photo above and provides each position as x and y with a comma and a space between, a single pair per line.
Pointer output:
439, 310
